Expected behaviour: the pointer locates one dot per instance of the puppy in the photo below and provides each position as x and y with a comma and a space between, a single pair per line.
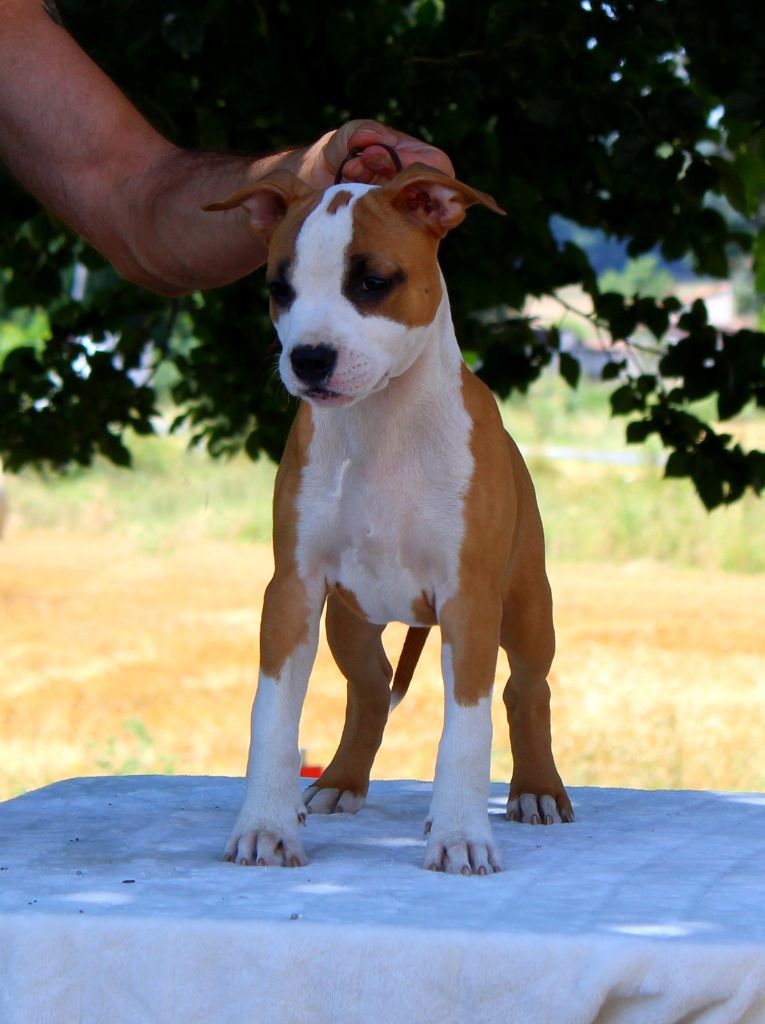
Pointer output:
399, 497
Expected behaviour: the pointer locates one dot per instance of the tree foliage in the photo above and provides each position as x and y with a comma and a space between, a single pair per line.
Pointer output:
640, 118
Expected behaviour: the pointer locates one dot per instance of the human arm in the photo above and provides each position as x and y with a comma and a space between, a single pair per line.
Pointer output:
75, 141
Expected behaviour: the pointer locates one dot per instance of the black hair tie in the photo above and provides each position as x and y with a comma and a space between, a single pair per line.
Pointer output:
358, 150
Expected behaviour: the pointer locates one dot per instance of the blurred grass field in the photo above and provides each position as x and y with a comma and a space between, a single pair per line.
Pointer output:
129, 605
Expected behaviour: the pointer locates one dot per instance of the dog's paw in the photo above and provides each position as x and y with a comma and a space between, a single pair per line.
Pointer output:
460, 852
321, 800
265, 842
265, 849
530, 809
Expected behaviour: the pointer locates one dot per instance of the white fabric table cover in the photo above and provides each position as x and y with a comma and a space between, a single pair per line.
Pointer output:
115, 907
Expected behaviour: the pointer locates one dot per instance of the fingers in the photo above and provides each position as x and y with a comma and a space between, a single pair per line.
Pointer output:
318, 163
374, 164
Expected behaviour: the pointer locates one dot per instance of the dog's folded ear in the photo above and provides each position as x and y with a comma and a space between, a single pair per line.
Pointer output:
435, 199
266, 200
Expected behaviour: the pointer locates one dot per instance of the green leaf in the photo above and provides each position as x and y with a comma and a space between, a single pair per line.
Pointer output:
646, 383
640, 161
570, 369
653, 315
708, 485
624, 400
114, 450
612, 370
758, 261
678, 464
639, 430
695, 318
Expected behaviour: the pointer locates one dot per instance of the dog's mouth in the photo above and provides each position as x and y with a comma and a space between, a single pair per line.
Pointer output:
320, 395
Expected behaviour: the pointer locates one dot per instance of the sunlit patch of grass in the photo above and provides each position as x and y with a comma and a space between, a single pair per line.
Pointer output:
592, 511
659, 678
172, 495
134, 752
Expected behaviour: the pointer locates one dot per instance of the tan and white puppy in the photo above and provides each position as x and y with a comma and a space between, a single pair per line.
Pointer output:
399, 497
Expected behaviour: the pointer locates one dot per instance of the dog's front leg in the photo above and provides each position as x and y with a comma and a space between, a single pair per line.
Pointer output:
266, 831
459, 834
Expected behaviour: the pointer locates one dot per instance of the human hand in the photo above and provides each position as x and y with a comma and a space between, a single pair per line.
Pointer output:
317, 165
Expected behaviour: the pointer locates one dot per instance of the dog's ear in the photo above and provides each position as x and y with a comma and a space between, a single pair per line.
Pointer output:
433, 198
266, 200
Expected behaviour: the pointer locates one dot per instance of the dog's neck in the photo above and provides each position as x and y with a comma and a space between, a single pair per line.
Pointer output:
422, 394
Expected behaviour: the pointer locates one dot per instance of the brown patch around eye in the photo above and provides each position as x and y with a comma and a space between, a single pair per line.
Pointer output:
369, 282
281, 291
385, 246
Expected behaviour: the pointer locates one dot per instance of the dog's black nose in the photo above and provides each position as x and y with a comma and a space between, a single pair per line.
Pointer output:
312, 364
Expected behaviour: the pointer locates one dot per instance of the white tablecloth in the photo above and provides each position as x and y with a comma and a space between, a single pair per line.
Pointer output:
115, 908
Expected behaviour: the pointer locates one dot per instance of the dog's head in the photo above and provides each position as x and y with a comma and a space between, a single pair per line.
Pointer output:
353, 274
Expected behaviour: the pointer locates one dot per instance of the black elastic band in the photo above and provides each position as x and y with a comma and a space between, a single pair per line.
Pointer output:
358, 150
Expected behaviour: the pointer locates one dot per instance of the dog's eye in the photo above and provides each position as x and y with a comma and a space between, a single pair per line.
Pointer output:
281, 292
375, 284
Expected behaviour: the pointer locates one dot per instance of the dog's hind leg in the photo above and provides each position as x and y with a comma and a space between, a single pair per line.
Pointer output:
357, 648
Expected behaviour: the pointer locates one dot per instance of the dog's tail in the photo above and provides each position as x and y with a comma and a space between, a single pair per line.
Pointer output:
407, 662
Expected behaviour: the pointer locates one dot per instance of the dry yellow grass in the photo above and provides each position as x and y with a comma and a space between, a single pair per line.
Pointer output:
659, 679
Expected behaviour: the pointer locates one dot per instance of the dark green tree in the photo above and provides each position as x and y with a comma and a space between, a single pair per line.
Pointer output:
644, 119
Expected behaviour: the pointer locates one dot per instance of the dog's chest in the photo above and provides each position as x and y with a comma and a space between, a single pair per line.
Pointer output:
385, 522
